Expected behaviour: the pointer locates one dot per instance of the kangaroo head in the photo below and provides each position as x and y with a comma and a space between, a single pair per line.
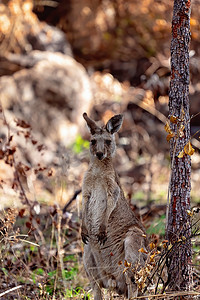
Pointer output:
102, 143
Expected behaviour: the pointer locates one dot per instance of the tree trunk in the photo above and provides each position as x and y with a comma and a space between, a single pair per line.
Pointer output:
179, 225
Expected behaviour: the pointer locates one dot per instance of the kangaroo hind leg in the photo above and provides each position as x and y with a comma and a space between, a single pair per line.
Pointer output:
92, 272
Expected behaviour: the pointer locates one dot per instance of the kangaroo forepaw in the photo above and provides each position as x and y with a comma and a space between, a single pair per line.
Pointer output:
84, 235
85, 238
102, 236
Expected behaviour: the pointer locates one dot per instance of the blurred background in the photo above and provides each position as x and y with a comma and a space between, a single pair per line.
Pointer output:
59, 59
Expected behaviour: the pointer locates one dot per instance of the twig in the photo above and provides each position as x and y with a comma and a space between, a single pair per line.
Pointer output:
150, 109
20, 184
195, 133
5, 121
14, 163
60, 247
168, 252
47, 3
172, 294
34, 244
71, 200
22, 240
10, 290
193, 116
161, 261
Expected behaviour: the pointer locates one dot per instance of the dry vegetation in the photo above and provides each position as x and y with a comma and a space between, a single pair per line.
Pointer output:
125, 49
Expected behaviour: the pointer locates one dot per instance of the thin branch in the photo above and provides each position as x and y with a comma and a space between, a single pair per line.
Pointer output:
193, 116
10, 290
172, 294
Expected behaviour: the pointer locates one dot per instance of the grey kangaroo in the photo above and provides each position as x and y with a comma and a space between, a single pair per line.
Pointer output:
110, 230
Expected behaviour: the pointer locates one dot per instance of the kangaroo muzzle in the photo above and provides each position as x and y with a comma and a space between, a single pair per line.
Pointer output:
100, 155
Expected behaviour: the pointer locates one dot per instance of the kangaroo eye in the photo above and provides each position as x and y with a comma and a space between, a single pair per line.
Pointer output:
108, 142
93, 142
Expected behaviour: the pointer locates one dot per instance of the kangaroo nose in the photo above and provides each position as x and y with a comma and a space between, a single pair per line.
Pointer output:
99, 155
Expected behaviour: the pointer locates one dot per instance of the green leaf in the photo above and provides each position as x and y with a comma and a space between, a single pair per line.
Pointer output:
69, 275
80, 144
70, 258
39, 271
5, 271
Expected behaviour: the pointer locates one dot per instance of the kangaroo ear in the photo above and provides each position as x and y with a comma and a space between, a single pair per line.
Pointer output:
91, 124
114, 124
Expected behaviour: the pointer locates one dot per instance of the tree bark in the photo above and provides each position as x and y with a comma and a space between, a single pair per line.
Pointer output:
179, 226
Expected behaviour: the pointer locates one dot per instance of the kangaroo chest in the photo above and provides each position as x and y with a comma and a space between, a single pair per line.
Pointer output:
97, 204
100, 199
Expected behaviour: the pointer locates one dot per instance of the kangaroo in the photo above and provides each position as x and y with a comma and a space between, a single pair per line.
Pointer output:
110, 230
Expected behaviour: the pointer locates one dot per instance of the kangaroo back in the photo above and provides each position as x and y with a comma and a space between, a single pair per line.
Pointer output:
109, 228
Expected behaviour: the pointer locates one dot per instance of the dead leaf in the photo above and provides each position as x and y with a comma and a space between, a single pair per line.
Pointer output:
170, 246
167, 128
28, 225
12, 150
165, 241
181, 154
189, 212
2, 154
152, 257
34, 142
21, 212
152, 245
22, 123
170, 136
50, 173
142, 250
10, 138
188, 149
40, 147
173, 119
125, 269
127, 264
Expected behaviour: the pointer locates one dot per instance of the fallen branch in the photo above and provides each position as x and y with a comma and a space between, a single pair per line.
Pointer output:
171, 294
10, 290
